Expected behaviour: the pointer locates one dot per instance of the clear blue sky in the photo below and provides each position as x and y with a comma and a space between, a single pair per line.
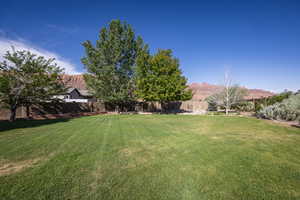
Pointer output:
258, 41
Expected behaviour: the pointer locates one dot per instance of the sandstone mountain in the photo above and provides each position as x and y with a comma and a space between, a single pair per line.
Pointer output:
200, 90
204, 90
75, 81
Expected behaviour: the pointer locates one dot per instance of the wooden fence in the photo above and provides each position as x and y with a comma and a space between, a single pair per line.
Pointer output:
54, 108
178, 106
72, 107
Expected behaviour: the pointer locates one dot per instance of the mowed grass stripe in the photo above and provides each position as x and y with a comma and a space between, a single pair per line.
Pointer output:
153, 157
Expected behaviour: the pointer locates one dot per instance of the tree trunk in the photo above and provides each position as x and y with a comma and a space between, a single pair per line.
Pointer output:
28, 112
92, 106
117, 109
226, 110
164, 107
13, 110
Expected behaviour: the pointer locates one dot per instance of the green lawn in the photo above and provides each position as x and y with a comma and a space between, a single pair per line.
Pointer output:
149, 157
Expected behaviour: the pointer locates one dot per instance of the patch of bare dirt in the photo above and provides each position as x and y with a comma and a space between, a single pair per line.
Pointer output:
97, 175
135, 158
285, 123
7, 168
138, 161
282, 123
129, 151
215, 137
10, 167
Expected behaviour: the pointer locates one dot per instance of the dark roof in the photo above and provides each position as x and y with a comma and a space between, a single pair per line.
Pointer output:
84, 92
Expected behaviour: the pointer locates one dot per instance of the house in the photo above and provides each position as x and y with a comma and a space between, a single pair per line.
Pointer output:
76, 95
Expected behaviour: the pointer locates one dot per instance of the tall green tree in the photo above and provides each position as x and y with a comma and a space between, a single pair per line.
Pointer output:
27, 79
159, 78
110, 64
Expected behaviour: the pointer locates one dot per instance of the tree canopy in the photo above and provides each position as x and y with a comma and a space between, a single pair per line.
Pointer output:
110, 63
120, 69
26, 79
159, 78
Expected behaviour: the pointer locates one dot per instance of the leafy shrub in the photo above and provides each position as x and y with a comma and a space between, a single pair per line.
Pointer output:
288, 109
261, 103
212, 106
245, 106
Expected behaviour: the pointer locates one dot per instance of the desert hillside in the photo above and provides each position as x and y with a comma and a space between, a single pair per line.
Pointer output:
203, 90
200, 90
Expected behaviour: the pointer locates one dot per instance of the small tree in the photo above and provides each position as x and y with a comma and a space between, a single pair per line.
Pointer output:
160, 79
229, 95
26, 79
110, 64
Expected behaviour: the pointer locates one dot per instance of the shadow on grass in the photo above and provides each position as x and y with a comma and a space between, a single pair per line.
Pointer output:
296, 126
23, 123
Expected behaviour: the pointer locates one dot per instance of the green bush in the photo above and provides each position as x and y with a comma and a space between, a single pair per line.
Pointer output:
262, 103
212, 106
245, 106
288, 109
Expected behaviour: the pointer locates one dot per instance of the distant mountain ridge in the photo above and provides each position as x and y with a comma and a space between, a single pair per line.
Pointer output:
204, 90
75, 81
200, 90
